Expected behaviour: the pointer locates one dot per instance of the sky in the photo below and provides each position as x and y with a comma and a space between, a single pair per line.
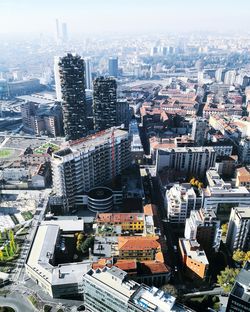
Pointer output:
123, 16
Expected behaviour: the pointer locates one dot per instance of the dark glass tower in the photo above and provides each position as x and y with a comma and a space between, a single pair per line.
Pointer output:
72, 81
113, 67
104, 103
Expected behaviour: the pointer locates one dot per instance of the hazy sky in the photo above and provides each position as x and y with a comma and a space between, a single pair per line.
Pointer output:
96, 16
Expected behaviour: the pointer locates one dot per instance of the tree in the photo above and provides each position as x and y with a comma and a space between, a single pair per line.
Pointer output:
169, 288
88, 243
200, 185
224, 229
6, 251
11, 235
1, 255
192, 181
227, 277
12, 247
241, 256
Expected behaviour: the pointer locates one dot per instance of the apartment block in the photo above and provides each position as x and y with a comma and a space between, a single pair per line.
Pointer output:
239, 298
194, 258
180, 201
110, 290
238, 234
104, 103
203, 226
190, 160
140, 248
89, 162
71, 78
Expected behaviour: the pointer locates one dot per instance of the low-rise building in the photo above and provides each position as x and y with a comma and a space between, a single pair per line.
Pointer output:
150, 272
132, 222
138, 247
243, 177
194, 258
56, 279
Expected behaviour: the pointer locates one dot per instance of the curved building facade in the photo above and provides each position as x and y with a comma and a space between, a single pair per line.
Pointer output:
100, 199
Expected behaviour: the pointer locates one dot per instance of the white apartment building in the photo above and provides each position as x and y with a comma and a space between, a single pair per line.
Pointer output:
221, 196
110, 290
89, 162
238, 233
204, 227
218, 197
180, 201
191, 160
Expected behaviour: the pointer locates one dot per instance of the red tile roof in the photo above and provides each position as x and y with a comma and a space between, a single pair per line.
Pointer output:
119, 217
138, 243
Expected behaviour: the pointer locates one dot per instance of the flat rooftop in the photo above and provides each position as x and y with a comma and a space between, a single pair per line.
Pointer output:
89, 143
153, 299
197, 253
42, 253
36, 99
243, 212
241, 287
115, 278
73, 225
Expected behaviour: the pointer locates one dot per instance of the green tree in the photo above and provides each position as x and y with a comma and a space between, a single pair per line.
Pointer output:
5, 233
241, 256
1, 255
227, 277
12, 247
169, 288
224, 229
6, 251
88, 243
11, 235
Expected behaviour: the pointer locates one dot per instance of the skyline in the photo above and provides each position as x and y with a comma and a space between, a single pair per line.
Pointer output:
88, 17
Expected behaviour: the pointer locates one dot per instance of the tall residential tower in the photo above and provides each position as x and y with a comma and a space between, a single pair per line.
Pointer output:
104, 103
72, 87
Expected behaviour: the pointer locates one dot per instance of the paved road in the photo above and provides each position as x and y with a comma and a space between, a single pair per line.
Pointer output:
17, 302
215, 291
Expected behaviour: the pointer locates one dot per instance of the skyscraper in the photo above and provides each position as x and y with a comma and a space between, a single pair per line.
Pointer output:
57, 31
64, 32
88, 71
72, 82
61, 32
113, 66
104, 103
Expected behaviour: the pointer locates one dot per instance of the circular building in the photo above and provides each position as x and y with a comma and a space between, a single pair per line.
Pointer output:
100, 199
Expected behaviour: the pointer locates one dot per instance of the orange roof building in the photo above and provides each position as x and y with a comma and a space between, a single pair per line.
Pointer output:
129, 221
140, 248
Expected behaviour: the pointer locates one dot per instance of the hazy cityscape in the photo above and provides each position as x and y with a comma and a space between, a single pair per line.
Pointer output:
124, 156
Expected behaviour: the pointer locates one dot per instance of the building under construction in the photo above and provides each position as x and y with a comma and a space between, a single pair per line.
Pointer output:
86, 163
